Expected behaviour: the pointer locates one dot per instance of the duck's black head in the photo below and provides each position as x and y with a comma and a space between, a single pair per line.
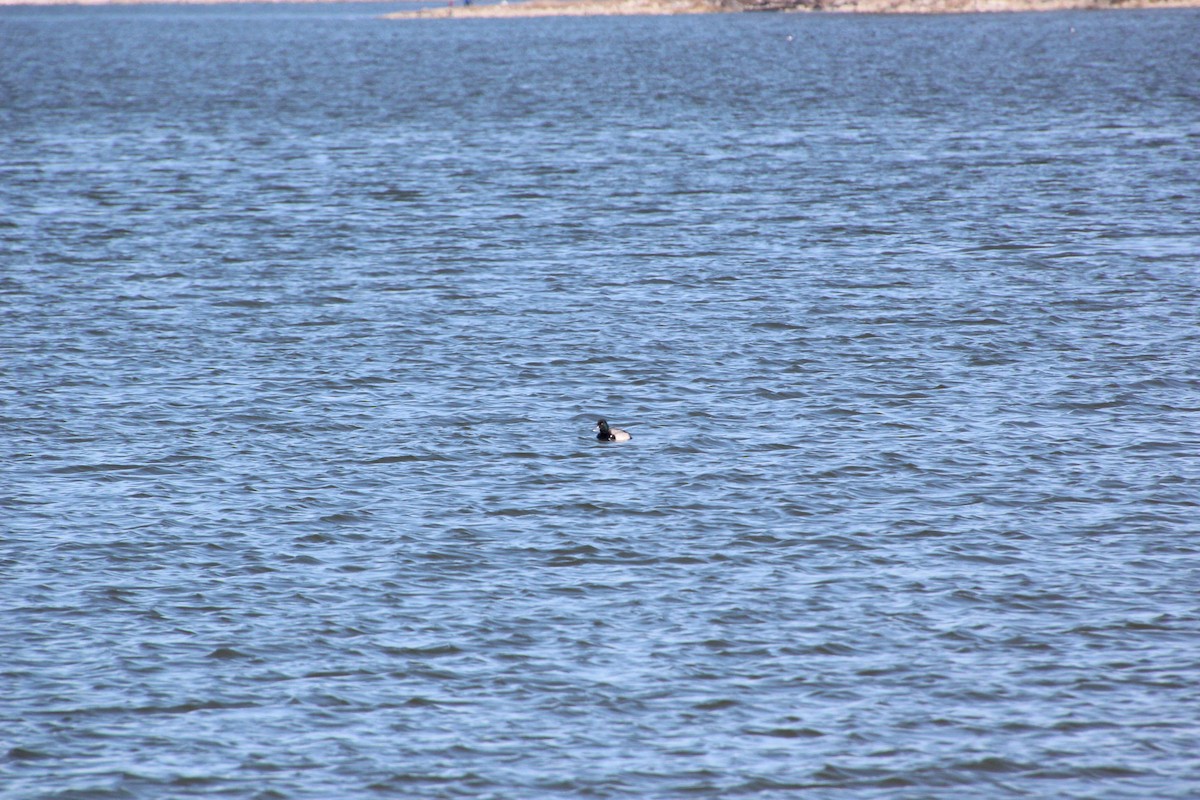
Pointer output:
605, 435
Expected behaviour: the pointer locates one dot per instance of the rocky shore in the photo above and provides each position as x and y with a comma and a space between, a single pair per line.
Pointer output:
557, 8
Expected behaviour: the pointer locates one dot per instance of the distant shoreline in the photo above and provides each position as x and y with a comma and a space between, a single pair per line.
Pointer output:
556, 8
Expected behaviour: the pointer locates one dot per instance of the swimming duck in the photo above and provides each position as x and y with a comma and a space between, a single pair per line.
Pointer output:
607, 434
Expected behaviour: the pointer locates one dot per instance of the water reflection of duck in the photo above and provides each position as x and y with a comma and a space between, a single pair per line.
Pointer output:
607, 434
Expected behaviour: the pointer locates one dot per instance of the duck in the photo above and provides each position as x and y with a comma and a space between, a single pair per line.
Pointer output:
607, 434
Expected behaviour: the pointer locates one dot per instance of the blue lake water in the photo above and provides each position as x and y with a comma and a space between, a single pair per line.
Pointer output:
308, 317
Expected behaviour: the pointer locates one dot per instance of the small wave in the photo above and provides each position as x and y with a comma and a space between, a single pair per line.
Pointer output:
786, 733
431, 651
25, 754
409, 457
227, 653
77, 469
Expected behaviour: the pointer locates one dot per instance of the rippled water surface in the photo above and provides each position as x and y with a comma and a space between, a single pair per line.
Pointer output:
308, 316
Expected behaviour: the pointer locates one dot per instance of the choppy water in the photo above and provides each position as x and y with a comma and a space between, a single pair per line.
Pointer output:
307, 318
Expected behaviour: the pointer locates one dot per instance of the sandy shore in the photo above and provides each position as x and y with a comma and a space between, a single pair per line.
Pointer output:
548, 8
